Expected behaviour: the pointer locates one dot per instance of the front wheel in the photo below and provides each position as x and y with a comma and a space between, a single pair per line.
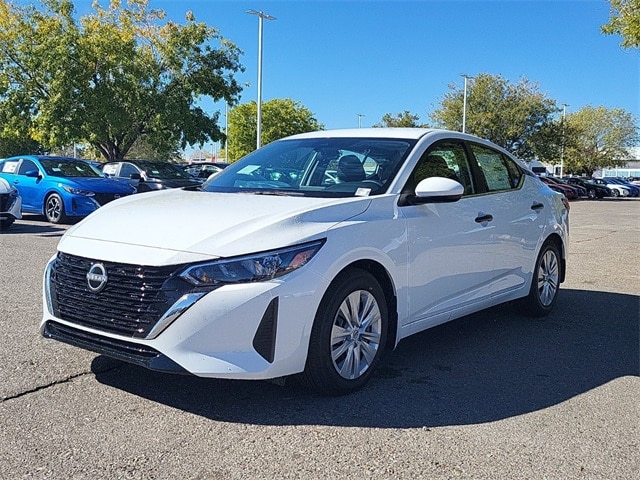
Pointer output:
348, 335
54, 208
591, 194
545, 282
616, 192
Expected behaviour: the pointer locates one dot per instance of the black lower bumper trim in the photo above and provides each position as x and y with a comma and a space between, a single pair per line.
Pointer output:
120, 350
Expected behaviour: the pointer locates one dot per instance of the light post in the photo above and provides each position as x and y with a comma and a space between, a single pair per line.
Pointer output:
360, 115
261, 15
464, 102
564, 116
226, 132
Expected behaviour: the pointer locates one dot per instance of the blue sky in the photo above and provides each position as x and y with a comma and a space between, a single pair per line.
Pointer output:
343, 58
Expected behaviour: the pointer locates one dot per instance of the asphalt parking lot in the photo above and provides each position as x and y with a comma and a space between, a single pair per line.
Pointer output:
490, 396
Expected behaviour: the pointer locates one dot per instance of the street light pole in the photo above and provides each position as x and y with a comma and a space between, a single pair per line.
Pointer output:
360, 115
464, 102
564, 116
261, 16
226, 132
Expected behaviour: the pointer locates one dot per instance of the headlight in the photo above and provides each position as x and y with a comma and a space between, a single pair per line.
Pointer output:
252, 268
77, 191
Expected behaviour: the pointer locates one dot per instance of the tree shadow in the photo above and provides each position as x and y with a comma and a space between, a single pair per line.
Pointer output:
481, 368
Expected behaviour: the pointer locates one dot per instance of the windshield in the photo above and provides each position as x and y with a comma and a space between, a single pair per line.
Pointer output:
163, 170
68, 168
337, 167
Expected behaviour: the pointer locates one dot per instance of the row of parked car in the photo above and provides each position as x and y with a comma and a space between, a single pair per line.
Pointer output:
592, 188
62, 188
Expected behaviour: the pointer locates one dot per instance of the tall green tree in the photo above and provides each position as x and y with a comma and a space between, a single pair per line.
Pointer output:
403, 119
510, 115
599, 137
280, 118
624, 20
113, 76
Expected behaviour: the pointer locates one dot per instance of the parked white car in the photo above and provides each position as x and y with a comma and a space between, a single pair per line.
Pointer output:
311, 256
10, 204
617, 190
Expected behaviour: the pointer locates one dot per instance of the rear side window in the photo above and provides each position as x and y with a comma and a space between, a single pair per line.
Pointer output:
10, 166
127, 170
500, 172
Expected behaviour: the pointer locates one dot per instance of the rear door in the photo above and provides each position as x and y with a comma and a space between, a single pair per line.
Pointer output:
517, 206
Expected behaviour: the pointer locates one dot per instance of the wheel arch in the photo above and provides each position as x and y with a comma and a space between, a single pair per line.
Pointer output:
50, 192
384, 278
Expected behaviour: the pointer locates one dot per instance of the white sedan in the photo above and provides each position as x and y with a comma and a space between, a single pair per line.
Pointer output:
309, 257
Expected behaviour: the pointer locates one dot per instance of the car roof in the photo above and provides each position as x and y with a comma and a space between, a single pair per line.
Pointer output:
46, 157
386, 132
143, 161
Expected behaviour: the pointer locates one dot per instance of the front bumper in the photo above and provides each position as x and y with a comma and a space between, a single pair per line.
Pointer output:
10, 207
255, 330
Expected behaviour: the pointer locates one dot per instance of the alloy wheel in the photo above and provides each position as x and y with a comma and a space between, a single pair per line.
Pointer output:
548, 277
356, 334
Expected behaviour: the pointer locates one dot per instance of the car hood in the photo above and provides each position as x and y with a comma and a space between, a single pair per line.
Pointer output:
180, 226
97, 184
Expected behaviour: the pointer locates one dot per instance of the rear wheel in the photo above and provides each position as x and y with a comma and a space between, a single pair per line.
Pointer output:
54, 208
348, 335
616, 192
545, 282
591, 194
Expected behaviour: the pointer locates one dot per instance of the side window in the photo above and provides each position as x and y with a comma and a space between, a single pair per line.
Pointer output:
445, 159
499, 171
127, 170
26, 166
110, 169
10, 166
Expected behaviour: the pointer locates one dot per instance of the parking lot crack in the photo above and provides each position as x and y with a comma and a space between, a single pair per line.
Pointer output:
62, 381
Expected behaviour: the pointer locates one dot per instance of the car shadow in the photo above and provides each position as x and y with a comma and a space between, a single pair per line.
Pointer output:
481, 368
20, 227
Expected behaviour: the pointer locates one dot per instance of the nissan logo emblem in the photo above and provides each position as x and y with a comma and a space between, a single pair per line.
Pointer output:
97, 277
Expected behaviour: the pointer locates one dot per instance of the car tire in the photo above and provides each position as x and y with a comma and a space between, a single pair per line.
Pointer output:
545, 282
54, 208
348, 336
616, 192
591, 194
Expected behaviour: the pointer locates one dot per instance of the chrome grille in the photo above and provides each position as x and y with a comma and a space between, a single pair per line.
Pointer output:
130, 304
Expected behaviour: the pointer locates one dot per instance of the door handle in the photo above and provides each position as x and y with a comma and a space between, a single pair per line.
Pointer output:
484, 218
537, 206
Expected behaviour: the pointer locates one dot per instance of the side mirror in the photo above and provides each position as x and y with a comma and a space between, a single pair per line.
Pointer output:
135, 176
33, 173
435, 190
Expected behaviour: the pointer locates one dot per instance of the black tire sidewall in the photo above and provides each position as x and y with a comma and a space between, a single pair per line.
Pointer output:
320, 372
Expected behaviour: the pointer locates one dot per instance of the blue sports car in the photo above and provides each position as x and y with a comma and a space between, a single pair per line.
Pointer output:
60, 187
